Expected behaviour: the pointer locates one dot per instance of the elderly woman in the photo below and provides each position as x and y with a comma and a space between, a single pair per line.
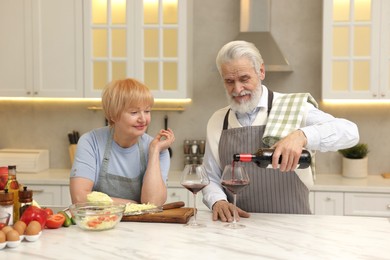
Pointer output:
121, 160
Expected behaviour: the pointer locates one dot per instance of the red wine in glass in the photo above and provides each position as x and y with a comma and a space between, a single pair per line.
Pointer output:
194, 178
193, 187
234, 178
234, 186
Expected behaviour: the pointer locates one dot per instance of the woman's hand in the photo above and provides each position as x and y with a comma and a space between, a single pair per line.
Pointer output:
163, 140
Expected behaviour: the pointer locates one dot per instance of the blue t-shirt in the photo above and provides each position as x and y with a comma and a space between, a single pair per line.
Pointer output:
124, 162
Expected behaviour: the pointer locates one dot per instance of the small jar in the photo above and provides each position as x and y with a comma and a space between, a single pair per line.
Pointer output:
202, 146
194, 147
187, 160
194, 160
25, 200
187, 147
7, 204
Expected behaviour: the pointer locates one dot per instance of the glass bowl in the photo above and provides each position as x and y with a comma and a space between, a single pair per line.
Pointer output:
97, 216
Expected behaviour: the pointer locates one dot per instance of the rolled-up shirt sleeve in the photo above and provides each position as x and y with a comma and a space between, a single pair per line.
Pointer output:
325, 132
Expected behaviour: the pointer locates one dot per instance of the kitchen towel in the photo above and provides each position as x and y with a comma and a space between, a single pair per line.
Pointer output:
286, 116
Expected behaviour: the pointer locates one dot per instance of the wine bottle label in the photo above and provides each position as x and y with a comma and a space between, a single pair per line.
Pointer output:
246, 157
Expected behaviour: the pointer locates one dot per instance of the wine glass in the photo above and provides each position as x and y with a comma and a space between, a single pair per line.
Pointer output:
194, 179
234, 179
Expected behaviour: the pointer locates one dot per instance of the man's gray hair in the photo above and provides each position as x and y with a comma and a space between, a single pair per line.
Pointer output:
239, 49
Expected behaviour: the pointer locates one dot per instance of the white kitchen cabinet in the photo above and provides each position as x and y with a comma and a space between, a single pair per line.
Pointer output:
146, 40
367, 204
51, 195
65, 196
199, 201
356, 49
41, 48
329, 203
311, 201
177, 194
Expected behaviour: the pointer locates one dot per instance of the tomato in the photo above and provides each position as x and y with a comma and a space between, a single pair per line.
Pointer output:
49, 211
34, 213
55, 221
94, 223
2, 225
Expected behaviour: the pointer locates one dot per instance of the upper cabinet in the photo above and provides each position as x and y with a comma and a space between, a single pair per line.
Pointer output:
41, 48
73, 48
143, 39
356, 49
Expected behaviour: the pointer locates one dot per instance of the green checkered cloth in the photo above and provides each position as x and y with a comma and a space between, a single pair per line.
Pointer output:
286, 116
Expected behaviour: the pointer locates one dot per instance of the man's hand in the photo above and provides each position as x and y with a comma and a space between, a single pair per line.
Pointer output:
224, 211
290, 148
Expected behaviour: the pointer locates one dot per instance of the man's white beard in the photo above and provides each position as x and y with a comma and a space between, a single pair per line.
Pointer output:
248, 106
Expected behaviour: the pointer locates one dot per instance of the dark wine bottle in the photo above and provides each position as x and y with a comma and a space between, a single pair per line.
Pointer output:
263, 157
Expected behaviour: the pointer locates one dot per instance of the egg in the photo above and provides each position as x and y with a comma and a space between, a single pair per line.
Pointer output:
33, 228
12, 235
2, 237
20, 226
6, 229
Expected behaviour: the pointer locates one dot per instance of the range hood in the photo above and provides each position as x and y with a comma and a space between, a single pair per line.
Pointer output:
255, 16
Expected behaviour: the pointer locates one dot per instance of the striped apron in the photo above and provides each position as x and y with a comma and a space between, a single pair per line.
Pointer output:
269, 191
119, 186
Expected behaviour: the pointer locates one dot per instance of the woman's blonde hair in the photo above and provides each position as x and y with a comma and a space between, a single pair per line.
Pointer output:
120, 95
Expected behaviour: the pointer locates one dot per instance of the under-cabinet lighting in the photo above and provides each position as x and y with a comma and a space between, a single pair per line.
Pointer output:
356, 101
43, 99
157, 101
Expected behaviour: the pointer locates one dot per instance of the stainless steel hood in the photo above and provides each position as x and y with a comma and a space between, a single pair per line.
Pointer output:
255, 16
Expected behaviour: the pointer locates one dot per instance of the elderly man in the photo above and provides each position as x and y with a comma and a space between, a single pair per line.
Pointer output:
242, 127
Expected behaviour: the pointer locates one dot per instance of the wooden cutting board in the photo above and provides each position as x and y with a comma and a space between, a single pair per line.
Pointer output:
178, 215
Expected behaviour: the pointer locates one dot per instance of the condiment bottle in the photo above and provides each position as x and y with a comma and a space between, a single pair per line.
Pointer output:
7, 204
13, 186
25, 199
263, 157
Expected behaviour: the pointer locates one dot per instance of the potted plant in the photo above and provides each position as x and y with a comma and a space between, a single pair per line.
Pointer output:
355, 161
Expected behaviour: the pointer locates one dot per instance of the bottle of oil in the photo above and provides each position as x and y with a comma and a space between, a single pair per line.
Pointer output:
263, 158
13, 186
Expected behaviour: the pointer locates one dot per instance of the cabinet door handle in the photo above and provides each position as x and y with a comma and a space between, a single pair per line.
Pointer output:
173, 194
38, 191
328, 199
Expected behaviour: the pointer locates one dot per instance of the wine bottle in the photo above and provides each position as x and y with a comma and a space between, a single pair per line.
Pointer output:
263, 157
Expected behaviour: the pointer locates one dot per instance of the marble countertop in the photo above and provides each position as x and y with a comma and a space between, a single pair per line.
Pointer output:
336, 182
266, 236
323, 182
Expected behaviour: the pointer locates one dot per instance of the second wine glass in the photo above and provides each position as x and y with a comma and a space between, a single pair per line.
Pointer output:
194, 179
234, 179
